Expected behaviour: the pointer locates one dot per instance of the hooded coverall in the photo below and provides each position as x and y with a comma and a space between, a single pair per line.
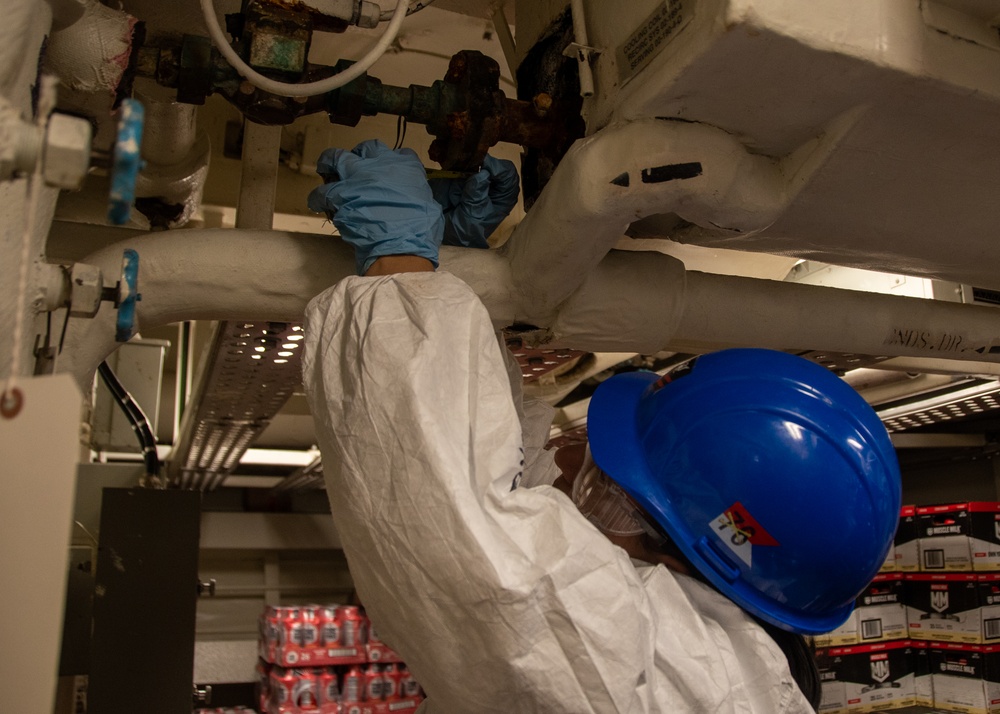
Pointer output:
500, 596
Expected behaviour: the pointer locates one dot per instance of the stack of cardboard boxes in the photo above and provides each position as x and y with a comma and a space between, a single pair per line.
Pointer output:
926, 632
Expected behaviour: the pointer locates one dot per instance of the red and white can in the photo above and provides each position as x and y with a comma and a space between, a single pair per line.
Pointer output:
282, 685
391, 682
305, 633
329, 687
408, 685
350, 625
270, 637
304, 694
288, 618
329, 624
353, 685
374, 683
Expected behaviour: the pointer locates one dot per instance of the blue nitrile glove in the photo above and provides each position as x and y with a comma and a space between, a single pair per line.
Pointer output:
474, 208
380, 202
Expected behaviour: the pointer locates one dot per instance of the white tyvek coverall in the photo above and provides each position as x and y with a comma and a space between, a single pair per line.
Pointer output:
499, 600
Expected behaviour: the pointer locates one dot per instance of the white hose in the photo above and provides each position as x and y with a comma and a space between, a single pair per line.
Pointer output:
309, 89
414, 8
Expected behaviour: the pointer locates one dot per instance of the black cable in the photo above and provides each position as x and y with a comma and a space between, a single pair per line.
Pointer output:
62, 335
136, 417
400, 132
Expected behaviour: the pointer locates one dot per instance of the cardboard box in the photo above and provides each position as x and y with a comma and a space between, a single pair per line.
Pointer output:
953, 607
881, 610
966, 678
867, 678
923, 685
904, 545
846, 634
959, 536
834, 689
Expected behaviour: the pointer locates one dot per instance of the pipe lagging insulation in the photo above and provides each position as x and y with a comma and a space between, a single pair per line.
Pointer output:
630, 302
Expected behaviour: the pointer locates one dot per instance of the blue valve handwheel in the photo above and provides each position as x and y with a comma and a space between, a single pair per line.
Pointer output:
128, 295
127, 161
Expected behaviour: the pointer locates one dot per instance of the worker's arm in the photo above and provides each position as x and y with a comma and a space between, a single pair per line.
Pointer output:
500, 598
393, 264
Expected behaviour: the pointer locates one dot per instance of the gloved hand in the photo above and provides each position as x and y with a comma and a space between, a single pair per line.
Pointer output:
380, 202
474, 208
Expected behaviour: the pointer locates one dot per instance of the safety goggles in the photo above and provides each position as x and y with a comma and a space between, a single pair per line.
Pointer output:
603, 502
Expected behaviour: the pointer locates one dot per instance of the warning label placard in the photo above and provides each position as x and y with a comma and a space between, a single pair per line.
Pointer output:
652, 35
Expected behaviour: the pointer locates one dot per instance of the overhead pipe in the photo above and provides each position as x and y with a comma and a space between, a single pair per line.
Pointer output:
630, 302
651, 166
557, 273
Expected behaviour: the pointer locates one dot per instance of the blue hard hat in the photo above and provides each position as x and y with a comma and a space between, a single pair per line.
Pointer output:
772, 475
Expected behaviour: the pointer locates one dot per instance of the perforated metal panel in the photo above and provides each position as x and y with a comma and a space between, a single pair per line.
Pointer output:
537, 364
841, 362
254, 368
306, 478
978, 398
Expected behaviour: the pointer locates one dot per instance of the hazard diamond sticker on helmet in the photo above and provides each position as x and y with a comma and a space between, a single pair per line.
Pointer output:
740, 532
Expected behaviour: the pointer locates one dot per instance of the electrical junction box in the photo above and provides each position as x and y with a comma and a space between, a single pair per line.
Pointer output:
953, 607
880, 610
959, 537
904, 545
867, 678
966, 678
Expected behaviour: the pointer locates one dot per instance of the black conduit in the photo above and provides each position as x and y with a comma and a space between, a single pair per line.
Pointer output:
137, 419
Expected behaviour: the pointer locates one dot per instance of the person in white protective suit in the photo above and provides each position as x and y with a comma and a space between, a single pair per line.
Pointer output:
717, 515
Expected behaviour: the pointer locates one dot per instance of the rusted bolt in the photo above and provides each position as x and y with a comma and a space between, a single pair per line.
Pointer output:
541, 102
11, 403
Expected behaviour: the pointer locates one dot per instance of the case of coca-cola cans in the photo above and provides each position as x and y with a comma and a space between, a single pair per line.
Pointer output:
354, 689
313, 635
327, 659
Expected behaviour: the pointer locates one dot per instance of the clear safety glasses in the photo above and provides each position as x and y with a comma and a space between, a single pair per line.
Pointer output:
603, 502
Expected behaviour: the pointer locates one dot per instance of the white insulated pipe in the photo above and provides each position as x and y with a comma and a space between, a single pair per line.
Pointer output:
92, 54
583, 51
556, 271
726, 311
629, 171
175, 152
630, 302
